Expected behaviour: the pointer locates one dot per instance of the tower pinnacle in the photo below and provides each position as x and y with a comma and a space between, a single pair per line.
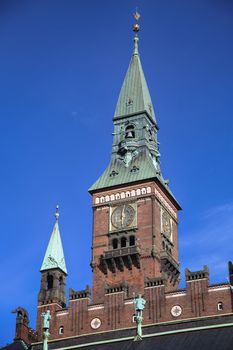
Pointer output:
136, 28
54, 256
57, 213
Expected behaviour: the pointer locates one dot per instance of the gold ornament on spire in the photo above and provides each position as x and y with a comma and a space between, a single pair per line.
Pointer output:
136, 26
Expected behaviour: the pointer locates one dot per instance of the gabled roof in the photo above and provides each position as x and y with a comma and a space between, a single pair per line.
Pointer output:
54, 256
134, 95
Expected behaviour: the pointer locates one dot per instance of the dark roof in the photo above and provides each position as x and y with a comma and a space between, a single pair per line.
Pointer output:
215, 333
16, 345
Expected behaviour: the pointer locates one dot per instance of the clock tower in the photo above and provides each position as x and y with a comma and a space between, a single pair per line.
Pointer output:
135, 243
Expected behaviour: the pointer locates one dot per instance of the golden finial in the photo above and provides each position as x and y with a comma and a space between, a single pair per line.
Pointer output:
136, 26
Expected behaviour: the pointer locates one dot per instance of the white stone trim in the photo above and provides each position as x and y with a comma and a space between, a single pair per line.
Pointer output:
182, 294
97, 307
198, 279
126, 194
135, 192
219, 289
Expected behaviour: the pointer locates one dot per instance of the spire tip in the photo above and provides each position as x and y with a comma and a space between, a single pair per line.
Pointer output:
57, 213
136, 28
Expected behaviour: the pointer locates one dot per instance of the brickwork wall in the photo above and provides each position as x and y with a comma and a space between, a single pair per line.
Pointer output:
112, 307
198, 299
148, 236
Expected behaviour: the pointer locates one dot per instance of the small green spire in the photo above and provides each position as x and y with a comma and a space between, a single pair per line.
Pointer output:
54, 256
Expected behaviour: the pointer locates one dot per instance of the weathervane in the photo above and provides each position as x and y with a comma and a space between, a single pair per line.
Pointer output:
136, 28
57, 213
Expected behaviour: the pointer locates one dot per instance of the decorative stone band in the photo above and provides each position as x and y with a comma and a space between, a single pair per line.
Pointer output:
62, 313
175, 295
123, 195
134, 193
95, 307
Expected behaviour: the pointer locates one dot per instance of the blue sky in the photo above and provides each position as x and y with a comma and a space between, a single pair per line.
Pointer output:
61, 68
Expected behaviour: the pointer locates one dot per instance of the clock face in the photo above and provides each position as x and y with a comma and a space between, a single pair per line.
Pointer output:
166, 222
122, 216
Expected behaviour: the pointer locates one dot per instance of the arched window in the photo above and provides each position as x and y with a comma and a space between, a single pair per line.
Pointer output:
130, 132
220, 306
49, 282
61, 330
131, 240
123, 242
115, 243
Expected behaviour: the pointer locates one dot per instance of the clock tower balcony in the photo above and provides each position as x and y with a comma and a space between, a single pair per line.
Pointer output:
169, 266
121, 259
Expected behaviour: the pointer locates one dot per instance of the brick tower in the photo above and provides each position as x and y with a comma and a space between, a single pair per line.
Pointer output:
135, 213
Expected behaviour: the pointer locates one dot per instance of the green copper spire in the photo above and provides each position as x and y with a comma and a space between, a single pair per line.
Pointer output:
54, 256
135, 150
134, 96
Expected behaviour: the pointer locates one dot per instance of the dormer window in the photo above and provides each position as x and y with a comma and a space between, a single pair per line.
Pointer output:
130, 132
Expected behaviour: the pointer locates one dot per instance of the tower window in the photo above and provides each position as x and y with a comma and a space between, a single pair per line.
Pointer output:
131, 240
60, 281
220, 306
49, 282
61, 330
130, 132
123, 242
115, 243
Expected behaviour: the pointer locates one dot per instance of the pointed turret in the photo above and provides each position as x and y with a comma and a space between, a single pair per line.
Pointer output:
134, 96
53, 270
54, 256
